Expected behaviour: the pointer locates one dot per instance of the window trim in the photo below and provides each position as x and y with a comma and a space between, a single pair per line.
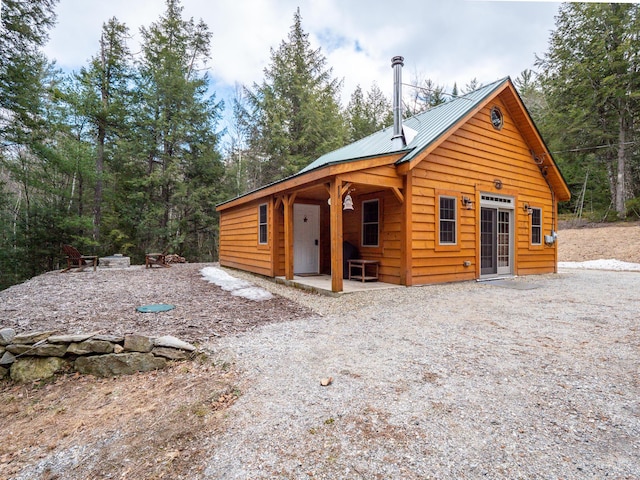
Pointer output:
362, 224
455, 196
264, 224
453, 220
532, 226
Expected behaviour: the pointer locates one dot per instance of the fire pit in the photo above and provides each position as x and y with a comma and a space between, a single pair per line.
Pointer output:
115, 261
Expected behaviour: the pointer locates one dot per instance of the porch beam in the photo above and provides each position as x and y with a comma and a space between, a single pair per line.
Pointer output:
336, 234
372, 179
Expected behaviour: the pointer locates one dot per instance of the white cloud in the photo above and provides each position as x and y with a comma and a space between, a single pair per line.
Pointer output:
448, 42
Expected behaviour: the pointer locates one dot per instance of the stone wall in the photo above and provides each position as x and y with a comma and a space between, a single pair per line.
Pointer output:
38, 355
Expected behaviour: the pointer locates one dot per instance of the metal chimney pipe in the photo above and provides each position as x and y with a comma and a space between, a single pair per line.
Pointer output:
398, 138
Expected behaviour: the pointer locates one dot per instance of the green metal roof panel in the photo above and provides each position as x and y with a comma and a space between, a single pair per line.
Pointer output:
374, 145
429, 126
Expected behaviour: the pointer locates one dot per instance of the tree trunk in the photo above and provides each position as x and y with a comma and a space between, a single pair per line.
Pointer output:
97, 202
621, 184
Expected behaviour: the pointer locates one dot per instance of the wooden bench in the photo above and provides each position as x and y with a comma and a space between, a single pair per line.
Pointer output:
361, 272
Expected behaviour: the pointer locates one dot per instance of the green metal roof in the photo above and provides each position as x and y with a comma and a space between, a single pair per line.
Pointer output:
429, 126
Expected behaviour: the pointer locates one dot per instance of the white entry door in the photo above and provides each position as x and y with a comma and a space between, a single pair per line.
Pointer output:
306, 238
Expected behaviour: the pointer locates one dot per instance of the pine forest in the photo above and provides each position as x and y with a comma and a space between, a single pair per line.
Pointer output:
128, 154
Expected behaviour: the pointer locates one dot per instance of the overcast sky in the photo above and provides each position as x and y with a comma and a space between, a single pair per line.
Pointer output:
445, 40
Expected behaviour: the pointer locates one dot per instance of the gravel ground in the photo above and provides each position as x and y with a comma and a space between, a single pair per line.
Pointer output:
536, 377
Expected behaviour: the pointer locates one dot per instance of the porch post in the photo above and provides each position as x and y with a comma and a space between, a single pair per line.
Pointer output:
288, 235
336, 234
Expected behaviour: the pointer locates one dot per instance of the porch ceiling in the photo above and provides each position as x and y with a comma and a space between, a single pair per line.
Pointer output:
319, 193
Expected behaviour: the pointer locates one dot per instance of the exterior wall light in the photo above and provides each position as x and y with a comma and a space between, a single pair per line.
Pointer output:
467, 202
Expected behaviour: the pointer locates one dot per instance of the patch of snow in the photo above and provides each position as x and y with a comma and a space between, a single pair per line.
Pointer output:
602, 264
237, 287
253, 293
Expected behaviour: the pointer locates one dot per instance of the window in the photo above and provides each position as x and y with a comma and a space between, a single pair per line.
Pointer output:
262, 224
448, 221
370, 223
536, 226
496, 118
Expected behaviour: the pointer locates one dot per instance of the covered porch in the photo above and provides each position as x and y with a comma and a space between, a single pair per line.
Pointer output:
310, 245
322, 284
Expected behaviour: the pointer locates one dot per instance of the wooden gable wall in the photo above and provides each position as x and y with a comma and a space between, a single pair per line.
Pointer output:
466, 163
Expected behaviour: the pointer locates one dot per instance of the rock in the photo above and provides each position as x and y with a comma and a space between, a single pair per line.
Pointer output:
326, 381
69, 338
170, 353
173, 342
44, 350
137, 343
7, 335
3, 372
31, 338
119, 364
2, 349
90, 346
118, 348
109, 338
28, 369
7, 358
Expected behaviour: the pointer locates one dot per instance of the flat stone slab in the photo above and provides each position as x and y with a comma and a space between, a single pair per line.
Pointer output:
173, 342
114, 261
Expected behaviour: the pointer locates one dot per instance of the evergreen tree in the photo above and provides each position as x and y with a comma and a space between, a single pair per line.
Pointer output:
26, 136
295, 112
591, 79
367, 115
176, 124
424, 95
103, 100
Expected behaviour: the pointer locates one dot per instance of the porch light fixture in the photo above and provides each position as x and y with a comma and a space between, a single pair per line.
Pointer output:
348, 202
528, 210
467, 202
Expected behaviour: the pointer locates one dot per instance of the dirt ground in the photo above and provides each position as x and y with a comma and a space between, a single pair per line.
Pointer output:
620, 241
152, 425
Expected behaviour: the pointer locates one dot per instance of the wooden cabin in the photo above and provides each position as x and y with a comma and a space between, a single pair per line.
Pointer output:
466, 190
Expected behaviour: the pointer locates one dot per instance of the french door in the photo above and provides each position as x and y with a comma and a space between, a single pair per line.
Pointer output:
496, 235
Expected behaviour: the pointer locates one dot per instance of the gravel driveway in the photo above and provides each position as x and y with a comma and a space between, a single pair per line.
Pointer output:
536, 377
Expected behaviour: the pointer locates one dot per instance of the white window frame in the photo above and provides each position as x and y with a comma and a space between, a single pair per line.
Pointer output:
453, 220
535, 226
263, 225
